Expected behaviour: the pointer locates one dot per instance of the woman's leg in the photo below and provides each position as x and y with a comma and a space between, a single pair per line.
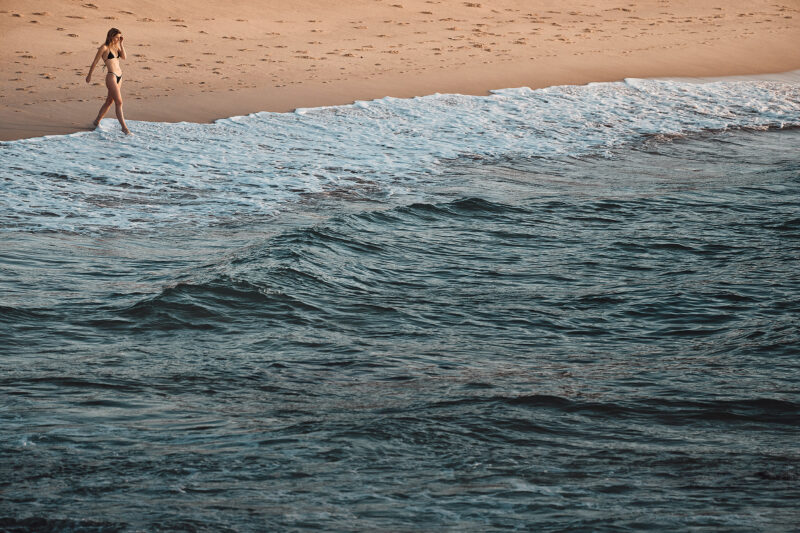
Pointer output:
105, 107
116, 94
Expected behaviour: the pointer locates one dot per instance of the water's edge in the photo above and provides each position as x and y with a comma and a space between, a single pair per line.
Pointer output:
791, 76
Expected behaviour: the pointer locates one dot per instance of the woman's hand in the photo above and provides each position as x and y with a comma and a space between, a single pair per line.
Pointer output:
89, 78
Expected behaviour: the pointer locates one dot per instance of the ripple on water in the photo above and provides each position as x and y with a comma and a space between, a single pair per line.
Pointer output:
582, 343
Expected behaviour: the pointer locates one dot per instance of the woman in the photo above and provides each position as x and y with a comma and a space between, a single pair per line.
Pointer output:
111, 52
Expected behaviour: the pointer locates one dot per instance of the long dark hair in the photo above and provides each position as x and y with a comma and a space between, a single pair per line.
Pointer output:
113, 32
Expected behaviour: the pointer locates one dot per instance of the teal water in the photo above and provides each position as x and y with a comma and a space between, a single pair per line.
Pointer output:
594, 342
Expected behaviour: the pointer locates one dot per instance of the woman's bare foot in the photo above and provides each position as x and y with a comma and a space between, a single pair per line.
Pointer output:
126, 131
96, 124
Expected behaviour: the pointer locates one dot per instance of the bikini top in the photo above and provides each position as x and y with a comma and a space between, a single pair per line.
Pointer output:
111, 55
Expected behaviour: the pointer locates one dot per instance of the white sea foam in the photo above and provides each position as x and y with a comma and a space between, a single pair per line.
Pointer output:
253, 165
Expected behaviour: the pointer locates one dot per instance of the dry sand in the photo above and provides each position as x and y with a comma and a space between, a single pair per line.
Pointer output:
198, 60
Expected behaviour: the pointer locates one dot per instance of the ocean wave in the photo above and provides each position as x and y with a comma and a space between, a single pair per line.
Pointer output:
214, 304
665, 411
65, 525
252, 166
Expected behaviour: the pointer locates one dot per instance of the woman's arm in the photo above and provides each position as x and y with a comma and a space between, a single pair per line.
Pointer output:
122, 48
97, 57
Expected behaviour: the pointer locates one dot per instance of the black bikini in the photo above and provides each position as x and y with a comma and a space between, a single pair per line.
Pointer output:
112, 56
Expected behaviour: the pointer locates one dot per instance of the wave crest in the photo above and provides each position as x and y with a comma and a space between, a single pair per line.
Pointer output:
251, 166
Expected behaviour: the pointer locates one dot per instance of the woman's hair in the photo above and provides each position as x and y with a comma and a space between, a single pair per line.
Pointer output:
113, 32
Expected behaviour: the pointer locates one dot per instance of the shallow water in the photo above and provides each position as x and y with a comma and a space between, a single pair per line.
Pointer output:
552, 334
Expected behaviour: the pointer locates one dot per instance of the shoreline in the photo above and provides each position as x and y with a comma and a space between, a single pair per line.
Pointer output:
792, 76
275, 58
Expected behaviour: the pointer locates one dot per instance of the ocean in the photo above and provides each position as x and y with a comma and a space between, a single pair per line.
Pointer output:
573, 308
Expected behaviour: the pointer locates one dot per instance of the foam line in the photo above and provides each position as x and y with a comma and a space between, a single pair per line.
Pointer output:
253, 165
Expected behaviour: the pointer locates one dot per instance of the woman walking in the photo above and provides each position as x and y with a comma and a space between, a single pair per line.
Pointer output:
111, 52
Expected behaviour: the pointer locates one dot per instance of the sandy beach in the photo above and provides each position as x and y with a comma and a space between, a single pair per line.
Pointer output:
199, 61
